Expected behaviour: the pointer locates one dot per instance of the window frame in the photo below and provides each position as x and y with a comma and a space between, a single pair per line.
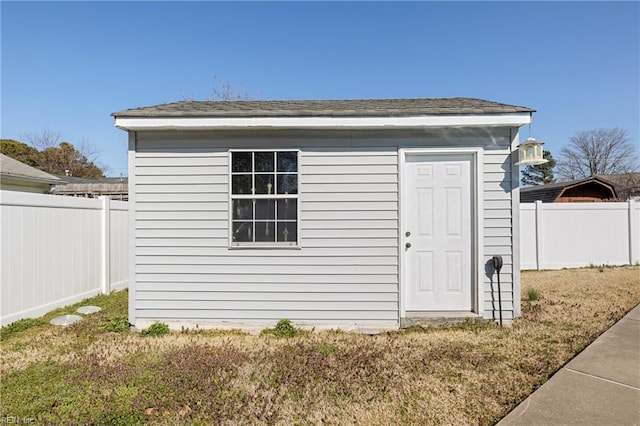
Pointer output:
233, 245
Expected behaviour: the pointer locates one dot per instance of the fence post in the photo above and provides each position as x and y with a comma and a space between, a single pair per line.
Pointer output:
634, 233
105, 288
538, 225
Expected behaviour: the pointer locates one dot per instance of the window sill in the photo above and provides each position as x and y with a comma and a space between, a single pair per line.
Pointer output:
263, 247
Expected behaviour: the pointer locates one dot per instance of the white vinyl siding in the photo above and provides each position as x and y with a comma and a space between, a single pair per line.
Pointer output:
346, 270
498, 232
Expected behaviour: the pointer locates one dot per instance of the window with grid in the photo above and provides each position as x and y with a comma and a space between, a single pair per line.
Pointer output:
264, 198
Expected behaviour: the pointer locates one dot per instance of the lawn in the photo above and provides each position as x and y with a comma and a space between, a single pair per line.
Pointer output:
472, 373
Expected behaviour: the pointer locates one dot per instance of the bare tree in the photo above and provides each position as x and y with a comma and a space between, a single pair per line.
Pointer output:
221, 91
92, 153
44, 140
597, 152
627, 185
225, 91
187, 96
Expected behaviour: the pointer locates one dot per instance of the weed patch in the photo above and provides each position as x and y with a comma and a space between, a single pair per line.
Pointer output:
533, 294
118, 324
156, 329
283, 329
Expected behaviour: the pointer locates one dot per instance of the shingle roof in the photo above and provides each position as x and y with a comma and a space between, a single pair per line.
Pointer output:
97, 186
545, 193
325, 108
74, 179
550, 192
11, 168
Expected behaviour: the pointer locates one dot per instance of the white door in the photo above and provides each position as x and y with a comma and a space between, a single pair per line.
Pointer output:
438, 207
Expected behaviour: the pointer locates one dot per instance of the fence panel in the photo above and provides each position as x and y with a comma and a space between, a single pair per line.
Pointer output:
52, 251
119, 245
528, 243
569, 235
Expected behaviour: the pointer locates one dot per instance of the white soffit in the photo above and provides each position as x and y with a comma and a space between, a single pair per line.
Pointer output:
205, 123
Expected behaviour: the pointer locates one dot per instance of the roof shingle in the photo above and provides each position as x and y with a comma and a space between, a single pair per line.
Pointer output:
12, 168
325, 108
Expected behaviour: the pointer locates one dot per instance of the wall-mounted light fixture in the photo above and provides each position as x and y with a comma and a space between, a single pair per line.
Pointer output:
531, 153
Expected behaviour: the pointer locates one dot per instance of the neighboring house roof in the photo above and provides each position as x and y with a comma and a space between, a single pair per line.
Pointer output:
16, 170
80, 180
93, 187
325, 108
552, 192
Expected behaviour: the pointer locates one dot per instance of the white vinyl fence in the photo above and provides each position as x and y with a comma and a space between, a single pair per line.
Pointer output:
570, 235
59, 250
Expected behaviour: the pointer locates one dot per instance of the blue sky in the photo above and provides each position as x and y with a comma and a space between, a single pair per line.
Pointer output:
66, 66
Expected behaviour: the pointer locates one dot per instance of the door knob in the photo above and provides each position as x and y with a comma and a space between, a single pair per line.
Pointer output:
407, 245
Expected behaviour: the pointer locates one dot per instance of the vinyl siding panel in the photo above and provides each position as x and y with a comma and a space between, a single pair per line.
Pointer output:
268, 279
381, 191
353, 224
146, 162
270, 296
199, 304
185, 170
200, 269
183, 197
252, 260
261, 290
181, 233
346, 270
302, 315
353, 233
498, 231
211, 252
181, 215
181, 180
390, 178
176, 188
308, 215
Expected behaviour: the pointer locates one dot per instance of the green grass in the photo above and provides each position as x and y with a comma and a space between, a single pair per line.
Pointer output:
20, 325
115, 303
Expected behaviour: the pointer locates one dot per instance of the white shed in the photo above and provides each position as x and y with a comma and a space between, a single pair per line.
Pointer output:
354, 214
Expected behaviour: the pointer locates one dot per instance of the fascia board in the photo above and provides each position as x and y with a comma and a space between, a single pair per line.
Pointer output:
215, 123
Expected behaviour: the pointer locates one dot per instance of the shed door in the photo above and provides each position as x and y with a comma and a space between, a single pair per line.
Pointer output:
438, 208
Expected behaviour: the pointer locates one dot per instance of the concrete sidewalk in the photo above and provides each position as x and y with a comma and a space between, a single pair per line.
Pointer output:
600, 386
